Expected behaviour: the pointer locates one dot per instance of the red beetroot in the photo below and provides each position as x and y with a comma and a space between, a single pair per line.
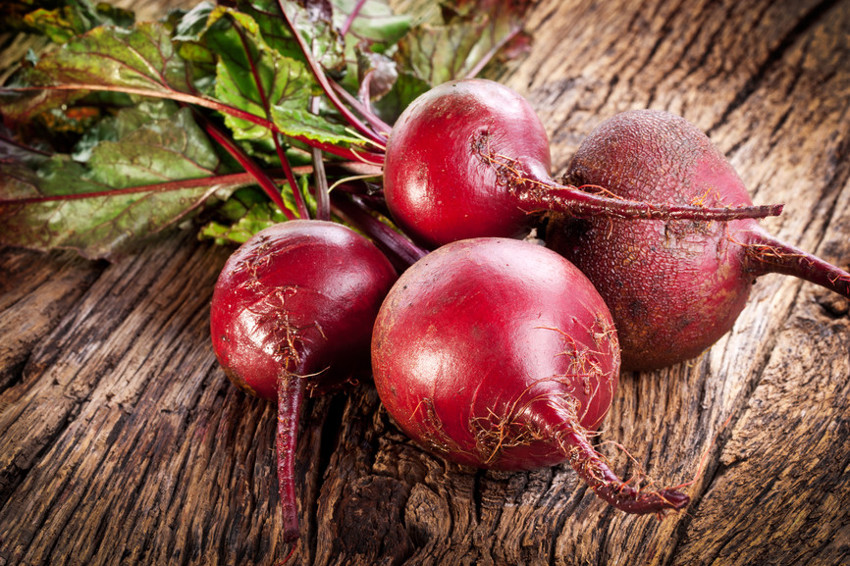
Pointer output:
470, 158
498, 353
673, 287
292, 312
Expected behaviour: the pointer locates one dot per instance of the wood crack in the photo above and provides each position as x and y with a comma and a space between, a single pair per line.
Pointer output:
776, 56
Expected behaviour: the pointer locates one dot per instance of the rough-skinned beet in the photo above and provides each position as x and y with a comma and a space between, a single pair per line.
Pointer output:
498, 353
470, 158
292, 313
673, 287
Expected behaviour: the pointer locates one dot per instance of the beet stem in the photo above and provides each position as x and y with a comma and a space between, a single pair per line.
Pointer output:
325, 82
323, 204
284, 162
535, 192
355, 11
379, 125
595, 471
398, 248
289, 396
548, 195
265, 182
766, 254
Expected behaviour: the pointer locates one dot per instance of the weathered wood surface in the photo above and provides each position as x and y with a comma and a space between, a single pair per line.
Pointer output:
122, 442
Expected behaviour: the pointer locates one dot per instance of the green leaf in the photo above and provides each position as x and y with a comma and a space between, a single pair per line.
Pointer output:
296, 121
164, 149
451, 39
248, 211
59, 25
376, 23
140, 60
313, 19
157, 143
256, 78
187, 38
244, 214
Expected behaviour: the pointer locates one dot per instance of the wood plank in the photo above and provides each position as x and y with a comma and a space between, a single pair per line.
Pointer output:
122, 442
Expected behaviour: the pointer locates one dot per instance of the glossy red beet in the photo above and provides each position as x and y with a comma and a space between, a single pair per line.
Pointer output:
673, 287
470, 158
436, 186
292, 313
498, 353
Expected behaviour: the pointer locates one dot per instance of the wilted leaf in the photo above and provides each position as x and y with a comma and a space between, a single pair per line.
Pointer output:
59, 19
452, 39
62, 23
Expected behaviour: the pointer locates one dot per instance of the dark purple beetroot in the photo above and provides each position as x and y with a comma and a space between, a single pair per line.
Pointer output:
292, 313
673, 287
499, 353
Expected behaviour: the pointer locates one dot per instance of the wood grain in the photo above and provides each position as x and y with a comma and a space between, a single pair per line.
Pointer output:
122, 442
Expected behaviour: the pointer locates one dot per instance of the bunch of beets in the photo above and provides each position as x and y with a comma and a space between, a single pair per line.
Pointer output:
491, 348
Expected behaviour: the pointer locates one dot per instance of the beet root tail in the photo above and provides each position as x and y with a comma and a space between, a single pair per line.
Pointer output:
595, 471
290, 394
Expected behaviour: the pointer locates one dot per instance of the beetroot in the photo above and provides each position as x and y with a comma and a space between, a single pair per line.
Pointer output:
292, 312
499, 353
470, 158
673, 287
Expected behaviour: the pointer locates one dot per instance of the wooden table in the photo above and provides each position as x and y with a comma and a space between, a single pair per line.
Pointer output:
122, 442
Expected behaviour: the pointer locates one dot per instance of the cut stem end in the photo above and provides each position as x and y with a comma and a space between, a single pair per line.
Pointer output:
766, 254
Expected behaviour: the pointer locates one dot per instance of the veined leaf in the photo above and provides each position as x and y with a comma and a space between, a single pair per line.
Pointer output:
375, 22
142, 57
140, 60
167, 147
162, 150
303, 124
453, 39
256, 78
243, 215
97, 227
